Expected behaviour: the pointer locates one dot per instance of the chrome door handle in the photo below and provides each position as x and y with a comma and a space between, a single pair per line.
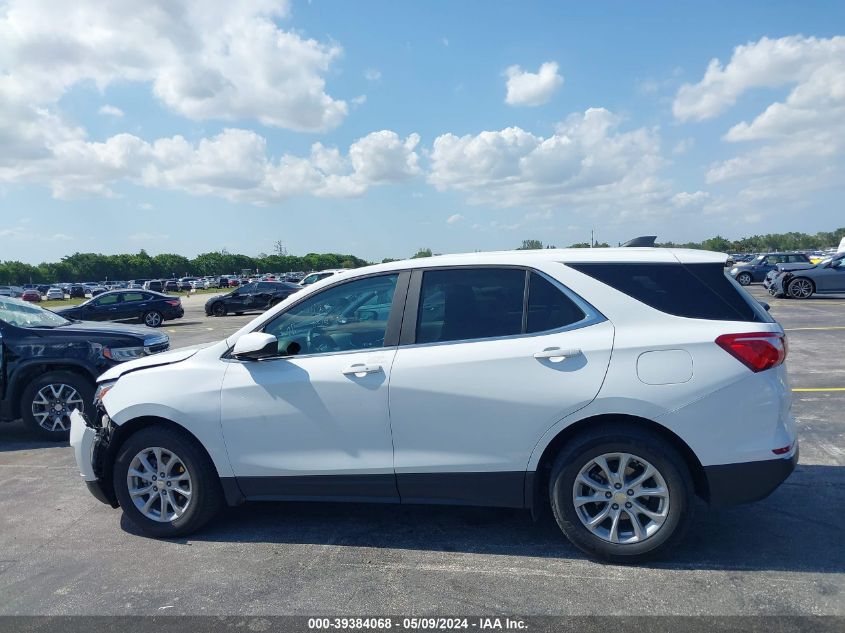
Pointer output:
359, 370
556, 355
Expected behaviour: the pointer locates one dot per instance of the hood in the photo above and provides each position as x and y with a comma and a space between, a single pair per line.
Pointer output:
105, 327
156, 360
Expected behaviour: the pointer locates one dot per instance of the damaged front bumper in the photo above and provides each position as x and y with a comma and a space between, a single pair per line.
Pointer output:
90, 442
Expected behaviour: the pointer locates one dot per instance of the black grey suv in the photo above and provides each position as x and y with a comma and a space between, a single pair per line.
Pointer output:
48, 364
757, 269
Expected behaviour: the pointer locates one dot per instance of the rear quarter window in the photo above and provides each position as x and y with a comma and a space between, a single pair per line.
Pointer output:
696, 291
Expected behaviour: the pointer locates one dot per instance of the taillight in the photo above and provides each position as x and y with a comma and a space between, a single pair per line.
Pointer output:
175, 302
756, 350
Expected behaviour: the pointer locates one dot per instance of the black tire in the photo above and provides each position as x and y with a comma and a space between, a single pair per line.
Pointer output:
75, 381
744, 279
800, 288
206, 493
153, 318
218, 309
643, 444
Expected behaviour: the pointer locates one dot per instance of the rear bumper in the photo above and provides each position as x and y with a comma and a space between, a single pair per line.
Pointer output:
733, 484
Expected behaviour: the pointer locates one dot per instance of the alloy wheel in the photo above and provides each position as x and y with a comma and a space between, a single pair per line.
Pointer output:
159, 484
801, 288
621, 498
152, 319
744, 279
53, 405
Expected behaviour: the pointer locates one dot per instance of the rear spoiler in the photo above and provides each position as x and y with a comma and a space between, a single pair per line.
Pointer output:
644, 240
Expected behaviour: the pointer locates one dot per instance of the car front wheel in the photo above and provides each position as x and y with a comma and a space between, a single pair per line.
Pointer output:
624, 495
218, 310
801, 288
165, 483
47, 402
744, 279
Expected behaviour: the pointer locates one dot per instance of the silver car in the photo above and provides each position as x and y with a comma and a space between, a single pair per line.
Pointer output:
826, 277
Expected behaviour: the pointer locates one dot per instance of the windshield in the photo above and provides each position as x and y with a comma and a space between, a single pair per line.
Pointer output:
25, 315
759, 259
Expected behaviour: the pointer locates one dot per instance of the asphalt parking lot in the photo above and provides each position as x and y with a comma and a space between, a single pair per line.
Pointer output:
63, 552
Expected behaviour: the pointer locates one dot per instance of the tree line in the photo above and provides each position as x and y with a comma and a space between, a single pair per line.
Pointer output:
98, 267
141, 265
792, 241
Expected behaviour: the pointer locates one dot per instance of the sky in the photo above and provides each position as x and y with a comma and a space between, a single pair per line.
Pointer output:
378, 128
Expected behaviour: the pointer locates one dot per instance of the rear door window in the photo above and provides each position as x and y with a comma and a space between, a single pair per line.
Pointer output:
470, 303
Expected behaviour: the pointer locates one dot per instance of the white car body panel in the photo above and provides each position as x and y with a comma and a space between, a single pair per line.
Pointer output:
482, 405
304, 416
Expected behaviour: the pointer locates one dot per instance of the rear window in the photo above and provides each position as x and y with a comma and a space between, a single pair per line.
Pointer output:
696, 291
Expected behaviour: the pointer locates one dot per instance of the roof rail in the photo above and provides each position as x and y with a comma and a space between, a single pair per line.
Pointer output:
643, 240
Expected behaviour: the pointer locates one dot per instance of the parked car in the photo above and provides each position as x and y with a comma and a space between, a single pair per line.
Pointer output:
256, 296
50, 364
97, 290
55, 294
43, 288
826, 277
5, 291
185, 283
31, 295
76, 291
150, 308
197, 284
156, 285
509, 379
314, 277
759, 267
136, 284
233, 282
171, 285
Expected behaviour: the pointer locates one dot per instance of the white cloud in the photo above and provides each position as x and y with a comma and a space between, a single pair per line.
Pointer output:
110, 110
146, 206
767, 63
372, 74
359, 100
587, 161
222, 61
532, 89
59, 237
687, 199
793, 146
455, 219
233, 164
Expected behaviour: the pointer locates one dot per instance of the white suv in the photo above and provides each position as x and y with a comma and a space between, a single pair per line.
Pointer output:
611, 385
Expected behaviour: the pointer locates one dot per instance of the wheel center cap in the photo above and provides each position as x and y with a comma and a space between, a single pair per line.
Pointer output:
57, 407
620, 497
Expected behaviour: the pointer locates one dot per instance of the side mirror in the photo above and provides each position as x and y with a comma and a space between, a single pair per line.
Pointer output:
256, 345
765, 305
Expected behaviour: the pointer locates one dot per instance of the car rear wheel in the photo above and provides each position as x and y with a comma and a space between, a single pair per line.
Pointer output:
621, 494
218, 310
165, 483
744, 279
47, 402
153, 319
801, 288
